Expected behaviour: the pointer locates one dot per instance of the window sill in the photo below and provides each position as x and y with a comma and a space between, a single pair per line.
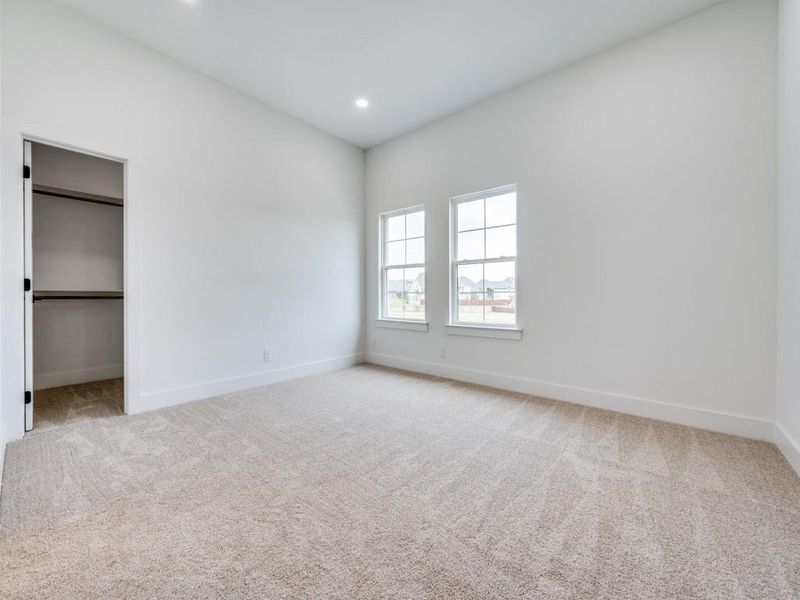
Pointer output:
400, 324
499, 333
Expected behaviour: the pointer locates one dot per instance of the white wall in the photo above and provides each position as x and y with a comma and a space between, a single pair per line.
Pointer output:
646, 226
75, 341
246, 226
788, 388
76, 246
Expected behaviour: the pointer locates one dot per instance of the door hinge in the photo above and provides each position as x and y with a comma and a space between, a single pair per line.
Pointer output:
26, 172
28, 397
27, 285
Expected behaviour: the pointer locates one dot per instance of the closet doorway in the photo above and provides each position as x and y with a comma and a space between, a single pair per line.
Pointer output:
74, 286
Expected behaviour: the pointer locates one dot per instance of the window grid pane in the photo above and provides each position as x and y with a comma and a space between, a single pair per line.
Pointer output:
471, 215
501, 210
471, 307
415, 251
470, 278
472, 245
395, 253
415, 224
414, 306
501, 242
395, 228
393, 302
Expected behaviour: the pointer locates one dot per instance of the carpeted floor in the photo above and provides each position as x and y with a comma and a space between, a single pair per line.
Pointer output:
72, 404
372, 483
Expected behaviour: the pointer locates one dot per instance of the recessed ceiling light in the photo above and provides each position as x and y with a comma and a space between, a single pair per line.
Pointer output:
362, 103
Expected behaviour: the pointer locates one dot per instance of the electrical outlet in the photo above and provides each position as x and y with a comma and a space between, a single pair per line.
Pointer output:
267, 356
442, 352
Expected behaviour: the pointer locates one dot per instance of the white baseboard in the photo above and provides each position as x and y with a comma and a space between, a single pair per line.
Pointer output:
156, 400
789, 446
42, 381
723, 422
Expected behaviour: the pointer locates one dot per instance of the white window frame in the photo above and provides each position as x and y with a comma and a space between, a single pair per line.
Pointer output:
497, 330
394, 322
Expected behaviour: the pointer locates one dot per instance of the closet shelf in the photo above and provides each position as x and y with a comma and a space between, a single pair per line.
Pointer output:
75, 295
45, 190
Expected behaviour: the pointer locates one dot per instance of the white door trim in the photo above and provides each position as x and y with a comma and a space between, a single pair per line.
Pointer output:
27, 256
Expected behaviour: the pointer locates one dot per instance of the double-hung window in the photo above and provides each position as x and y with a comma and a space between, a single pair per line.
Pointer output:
484, 258
403, 264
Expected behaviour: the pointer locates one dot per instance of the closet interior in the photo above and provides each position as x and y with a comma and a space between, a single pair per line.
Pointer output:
76, 249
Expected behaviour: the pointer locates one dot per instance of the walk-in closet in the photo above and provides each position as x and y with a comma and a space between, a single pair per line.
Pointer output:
74, 273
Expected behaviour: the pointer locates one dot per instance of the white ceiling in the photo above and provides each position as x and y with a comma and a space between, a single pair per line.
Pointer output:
416, 60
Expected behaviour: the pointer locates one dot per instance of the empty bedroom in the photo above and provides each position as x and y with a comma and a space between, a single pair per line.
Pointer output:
374, 299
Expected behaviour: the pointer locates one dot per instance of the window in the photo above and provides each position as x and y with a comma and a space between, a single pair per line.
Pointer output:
484, 259
403, 264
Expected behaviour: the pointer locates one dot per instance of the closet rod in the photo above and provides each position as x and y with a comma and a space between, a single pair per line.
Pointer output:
45, 190
82, 295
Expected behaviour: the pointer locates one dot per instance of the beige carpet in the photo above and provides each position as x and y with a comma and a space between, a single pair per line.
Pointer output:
371, 483
72, 404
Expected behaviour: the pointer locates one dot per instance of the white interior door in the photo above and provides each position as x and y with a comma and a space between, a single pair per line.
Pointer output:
28, 286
